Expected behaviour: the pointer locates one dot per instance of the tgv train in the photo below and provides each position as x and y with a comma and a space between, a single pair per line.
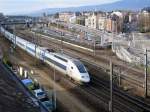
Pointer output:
67, 65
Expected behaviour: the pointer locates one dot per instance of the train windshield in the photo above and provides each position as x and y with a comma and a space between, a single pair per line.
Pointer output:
80, 66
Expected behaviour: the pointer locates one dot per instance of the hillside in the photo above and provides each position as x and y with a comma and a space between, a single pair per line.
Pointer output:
120, 5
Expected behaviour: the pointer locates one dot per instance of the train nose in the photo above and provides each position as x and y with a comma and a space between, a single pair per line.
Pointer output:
85, 78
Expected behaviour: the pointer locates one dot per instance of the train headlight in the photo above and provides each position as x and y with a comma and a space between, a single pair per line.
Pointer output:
82, 76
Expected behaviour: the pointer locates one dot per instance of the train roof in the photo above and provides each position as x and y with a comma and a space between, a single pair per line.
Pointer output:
46, 49
43, 48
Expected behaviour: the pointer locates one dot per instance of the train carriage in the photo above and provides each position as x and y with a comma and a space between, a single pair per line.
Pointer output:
67, 65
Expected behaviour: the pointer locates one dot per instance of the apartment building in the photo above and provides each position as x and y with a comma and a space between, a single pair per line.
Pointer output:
80, 20
109, 23
66, 16
144, 21
92, 21
102, 23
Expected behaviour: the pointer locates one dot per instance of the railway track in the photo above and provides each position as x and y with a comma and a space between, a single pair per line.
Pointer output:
103, 66
140, 103
101, 92
103, 58
122, 102
131, 76
117, 104
130, 100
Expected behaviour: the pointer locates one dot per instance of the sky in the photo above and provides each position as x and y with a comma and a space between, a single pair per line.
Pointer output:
28, 6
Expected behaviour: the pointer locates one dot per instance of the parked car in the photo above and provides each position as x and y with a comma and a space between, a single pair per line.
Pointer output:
28, 83
48, 104
40, 94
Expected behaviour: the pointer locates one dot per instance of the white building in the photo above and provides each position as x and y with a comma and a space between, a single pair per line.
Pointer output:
102, 23
65, 16
73, 19
91, 21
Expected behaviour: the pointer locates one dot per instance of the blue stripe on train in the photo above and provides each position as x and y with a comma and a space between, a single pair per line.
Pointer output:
30, 49
56, 63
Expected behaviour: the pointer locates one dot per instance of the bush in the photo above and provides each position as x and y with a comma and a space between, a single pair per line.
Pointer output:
9, 64
6, 61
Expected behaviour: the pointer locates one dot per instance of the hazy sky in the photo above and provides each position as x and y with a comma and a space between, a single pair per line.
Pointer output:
26, 6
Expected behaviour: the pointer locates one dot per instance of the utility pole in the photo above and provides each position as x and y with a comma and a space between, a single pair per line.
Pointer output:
14, 37
62, 42
0, 29
61, 38
119, 76
36, 44
111, 87
94, 48
54, 89
145, 82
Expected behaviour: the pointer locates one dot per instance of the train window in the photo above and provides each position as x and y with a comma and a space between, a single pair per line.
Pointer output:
80, 66
56, 63
31, 49
61, 58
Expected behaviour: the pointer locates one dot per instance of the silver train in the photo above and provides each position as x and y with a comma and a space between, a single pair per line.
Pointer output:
69, 66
